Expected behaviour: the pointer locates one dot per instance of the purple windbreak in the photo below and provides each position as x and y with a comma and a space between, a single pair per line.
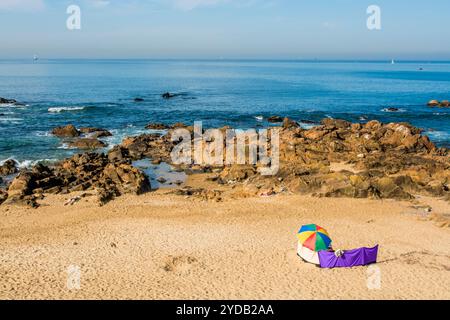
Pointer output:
350, 258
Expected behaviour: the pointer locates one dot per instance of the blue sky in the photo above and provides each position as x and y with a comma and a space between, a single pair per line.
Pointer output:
284, 29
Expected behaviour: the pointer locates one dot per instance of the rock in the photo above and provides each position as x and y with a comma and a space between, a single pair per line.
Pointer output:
332, 124
305, 121
152, 146
433, 103
95, 133
156, 126
3, 196
391, 109
87, 143
445, 104
20, 191
168, 95
8, 167
288, 123
105, 195
7, 101
236, 173
275, 119
315, 134
68, 131
127, 178
118, 153
138, 100
389, 189
178, 125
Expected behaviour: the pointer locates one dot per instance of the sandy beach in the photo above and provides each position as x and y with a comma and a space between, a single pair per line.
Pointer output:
162, 246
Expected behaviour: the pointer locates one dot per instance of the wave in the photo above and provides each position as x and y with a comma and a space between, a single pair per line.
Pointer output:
12, 120
438, 135
13, 105
43, 134
65, 146
64, 109
28, 163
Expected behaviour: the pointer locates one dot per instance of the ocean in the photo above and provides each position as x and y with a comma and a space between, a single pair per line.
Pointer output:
101, 93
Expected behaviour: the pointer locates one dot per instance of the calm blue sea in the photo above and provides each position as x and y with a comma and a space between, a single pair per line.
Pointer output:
101, 93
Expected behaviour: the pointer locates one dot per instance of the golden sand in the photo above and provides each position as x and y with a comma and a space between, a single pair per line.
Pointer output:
160, 246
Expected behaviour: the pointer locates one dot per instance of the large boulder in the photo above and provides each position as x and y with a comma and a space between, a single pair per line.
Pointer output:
21, 186
68, 131
127, 178
8, 167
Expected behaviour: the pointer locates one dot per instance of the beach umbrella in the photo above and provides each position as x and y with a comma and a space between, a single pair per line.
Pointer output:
307, 254
313, 237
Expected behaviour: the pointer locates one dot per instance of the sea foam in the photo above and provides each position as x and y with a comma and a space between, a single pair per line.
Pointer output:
64, 109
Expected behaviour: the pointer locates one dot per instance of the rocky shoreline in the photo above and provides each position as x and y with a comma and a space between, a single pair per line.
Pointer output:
393, 161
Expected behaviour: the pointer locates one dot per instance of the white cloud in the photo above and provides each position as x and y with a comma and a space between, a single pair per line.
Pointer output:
28, 5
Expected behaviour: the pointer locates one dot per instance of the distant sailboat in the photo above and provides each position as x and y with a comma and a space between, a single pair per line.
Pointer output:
392, 62
35, 57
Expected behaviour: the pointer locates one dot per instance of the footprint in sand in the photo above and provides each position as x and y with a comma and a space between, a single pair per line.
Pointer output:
179, 264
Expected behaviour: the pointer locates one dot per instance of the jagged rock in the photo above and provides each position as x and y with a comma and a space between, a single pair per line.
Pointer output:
275, 119
87, 143
235, 173
118, 153
315, 134
68, 131
95, 132
7, 101
156, 126
8, 167
178, 125
127, 178
289, 123
332, 124
148, 145
389, 189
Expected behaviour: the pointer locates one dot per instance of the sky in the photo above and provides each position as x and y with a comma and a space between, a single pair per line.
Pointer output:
226, 29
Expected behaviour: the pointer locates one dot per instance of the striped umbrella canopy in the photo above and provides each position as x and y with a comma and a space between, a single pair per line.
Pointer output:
314, 237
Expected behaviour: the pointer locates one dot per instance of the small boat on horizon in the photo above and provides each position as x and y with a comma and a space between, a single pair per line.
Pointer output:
392, 61
35, 57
